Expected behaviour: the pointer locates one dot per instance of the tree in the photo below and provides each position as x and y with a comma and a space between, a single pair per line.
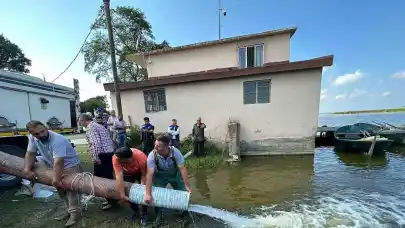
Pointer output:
93, 103
132, 34
11, 56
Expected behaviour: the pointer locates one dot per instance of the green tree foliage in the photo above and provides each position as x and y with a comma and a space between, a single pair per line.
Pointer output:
93, 103
11, 56
132, 34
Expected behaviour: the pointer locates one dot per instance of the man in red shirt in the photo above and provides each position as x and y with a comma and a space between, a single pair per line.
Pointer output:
130, 165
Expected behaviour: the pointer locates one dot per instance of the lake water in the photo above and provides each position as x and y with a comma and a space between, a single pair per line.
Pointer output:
323, 190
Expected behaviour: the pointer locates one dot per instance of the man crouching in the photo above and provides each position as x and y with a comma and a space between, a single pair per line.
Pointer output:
58, 154
130, 165
165, 166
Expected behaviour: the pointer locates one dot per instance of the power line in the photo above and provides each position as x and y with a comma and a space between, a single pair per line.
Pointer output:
80, 50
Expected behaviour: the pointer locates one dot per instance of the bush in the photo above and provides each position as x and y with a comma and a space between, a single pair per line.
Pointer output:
186, 145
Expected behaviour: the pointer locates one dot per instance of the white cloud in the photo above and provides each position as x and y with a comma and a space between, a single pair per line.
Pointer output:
324, 94
385, 94
348, 78
399, 75
357, 93
341, 96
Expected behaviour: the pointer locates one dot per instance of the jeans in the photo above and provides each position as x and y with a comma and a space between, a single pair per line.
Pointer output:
121, 139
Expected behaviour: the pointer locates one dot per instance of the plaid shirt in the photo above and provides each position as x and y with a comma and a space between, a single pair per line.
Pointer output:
99, 140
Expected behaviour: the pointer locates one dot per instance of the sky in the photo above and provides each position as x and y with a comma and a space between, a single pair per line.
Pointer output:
367, 39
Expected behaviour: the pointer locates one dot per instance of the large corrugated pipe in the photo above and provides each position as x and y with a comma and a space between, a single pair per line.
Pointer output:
105, 188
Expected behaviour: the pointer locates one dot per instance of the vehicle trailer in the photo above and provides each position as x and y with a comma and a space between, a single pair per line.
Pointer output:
26, 98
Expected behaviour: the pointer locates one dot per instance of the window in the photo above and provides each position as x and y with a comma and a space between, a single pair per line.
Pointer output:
256, 92
251, 56
155, 100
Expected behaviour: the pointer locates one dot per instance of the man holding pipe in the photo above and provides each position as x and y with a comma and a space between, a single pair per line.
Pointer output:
165, 165
59, 154
130, 165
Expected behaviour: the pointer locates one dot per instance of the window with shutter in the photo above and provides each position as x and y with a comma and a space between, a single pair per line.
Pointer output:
155, 100
256, 92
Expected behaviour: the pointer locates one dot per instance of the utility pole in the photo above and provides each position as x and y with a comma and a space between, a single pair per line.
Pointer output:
113, 60
221, 12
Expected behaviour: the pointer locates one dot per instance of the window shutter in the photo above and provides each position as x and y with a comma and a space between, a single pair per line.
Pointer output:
249, 92
263, 91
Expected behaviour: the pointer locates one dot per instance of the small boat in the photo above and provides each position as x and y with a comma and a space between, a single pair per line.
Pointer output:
395, 134
355, 139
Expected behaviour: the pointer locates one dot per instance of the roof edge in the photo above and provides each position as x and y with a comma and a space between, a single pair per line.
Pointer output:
225, 73
290, 30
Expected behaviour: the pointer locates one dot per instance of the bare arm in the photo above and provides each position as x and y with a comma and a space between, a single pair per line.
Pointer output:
29, 160
119, 177
30, 156
58, 167
149, 179
184, 175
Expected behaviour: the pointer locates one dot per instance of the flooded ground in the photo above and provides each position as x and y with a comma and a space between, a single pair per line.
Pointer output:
321, 190
324, 190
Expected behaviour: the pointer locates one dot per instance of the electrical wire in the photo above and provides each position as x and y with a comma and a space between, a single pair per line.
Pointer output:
80, 50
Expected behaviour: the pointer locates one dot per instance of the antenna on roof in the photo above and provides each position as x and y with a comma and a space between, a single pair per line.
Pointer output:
43, 76
221, 12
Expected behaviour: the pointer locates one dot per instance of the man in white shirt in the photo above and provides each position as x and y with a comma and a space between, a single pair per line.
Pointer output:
58, 154
174, 131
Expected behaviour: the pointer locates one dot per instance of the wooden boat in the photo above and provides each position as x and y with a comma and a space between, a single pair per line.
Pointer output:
354, 139
395, 134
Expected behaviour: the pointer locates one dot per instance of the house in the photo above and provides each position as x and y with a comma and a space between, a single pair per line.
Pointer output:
248, 79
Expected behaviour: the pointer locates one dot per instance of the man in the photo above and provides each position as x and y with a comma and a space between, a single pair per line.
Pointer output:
174, 131
198, 137
120, 131
111, 120
58, 154
147, 136
101, 149
130, 165
99, 120
165, 165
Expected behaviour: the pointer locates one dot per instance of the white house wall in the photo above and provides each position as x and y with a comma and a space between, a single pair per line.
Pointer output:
276, 49
290, 119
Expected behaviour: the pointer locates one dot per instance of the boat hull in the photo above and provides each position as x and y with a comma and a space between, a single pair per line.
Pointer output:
362, 146
398, 136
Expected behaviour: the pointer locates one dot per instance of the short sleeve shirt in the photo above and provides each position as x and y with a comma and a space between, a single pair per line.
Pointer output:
57, 146
136, 166
166, 163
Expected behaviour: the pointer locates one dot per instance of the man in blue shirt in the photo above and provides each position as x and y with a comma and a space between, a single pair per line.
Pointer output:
147, 136
165, 165
58, 154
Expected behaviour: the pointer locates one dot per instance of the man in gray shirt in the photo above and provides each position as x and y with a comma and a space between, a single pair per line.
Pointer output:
58, 154
198, 137
165, 165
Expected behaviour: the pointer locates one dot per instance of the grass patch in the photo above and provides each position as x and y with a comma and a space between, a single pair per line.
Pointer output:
212, 159
372, 111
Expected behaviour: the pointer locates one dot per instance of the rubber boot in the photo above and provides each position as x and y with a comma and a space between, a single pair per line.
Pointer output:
62, 216
74, 217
